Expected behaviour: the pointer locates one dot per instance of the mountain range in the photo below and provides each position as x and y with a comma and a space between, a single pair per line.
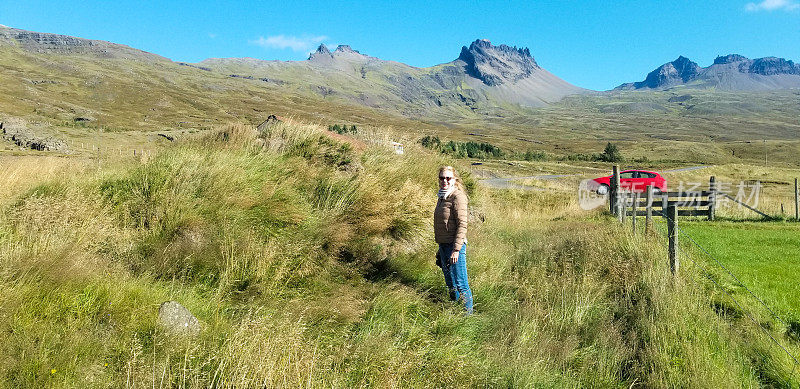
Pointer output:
488, 93
482, 76
731, 72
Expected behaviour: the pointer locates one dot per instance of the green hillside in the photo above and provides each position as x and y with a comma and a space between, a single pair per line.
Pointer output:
309, 262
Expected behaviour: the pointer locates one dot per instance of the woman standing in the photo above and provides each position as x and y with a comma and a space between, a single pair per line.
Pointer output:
450, 231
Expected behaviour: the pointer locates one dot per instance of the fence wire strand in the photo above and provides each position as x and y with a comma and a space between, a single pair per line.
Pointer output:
775, 315
739, 305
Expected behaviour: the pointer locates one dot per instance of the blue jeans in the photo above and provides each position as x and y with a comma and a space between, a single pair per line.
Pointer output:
455, 274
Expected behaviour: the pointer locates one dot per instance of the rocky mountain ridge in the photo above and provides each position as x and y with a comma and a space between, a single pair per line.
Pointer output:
495, 65
323, 52
679, 71
732, 72
482, 77
46, 43
485, 80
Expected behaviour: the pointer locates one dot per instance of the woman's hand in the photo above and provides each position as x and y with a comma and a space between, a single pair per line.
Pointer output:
454, 257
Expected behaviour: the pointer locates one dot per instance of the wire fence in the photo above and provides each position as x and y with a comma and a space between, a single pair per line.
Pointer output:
709, 275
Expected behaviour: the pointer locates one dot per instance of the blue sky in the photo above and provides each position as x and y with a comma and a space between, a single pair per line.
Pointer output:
588, 43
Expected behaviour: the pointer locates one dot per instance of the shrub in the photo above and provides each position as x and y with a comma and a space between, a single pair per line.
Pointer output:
534, 155
462, 149
343, 129
611, 153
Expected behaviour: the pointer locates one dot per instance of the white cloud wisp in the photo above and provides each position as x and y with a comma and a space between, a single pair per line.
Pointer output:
772, 5
299, 44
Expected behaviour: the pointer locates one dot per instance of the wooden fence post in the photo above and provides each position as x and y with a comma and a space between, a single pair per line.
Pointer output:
796, 201
623, 206
648, 221
664, 204
613, 190
712, 198
672, 232
634, 209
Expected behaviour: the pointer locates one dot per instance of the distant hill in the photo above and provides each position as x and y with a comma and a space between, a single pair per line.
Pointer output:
731, 72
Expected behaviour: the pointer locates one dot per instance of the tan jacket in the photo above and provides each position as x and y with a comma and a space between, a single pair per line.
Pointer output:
450, 219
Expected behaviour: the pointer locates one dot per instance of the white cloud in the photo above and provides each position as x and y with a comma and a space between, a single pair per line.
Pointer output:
772, 5
300, 44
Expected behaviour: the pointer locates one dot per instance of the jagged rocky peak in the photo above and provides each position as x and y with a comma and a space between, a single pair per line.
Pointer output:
323, 55
678, 71
345, 49
495, 65
685, 68
322, 52
769, 66
730, 58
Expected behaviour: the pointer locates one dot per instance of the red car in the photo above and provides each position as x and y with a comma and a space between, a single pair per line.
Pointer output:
634, 181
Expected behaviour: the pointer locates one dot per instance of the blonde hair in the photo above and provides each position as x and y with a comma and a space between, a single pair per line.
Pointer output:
459, 184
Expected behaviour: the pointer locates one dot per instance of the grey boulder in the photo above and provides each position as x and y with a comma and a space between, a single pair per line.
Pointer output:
177, 319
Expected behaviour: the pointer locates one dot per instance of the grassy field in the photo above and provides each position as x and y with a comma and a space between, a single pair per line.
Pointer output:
776, 187
748, 271
309, 263
764, 256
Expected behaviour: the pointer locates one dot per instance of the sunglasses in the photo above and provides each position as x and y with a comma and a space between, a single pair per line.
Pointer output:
446, 178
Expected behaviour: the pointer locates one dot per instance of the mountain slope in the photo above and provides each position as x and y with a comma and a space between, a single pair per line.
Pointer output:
56, 78
484, 80
732, 72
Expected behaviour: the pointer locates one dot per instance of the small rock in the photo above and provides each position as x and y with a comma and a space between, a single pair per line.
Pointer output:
476, 215
266, 124
27, 139
177, 319
679, 99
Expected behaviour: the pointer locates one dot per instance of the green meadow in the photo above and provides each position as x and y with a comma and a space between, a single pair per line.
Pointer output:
764, 256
